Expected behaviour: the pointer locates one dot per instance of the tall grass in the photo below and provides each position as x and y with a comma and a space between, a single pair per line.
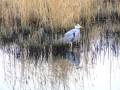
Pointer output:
56, 13
16, 15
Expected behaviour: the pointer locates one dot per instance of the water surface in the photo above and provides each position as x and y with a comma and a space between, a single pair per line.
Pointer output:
94, 65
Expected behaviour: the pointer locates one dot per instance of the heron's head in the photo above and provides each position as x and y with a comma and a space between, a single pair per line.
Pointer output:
78, 26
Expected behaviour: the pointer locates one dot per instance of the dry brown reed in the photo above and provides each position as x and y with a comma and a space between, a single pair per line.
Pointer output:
55, 13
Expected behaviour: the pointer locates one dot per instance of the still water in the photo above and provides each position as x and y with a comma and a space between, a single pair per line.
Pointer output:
94, 65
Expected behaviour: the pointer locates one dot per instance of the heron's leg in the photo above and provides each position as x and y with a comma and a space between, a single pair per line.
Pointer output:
71, 46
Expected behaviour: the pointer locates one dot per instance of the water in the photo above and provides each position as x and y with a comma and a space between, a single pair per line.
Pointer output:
94, 65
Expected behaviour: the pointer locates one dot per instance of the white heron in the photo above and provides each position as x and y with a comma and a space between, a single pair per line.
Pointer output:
72, 36
69, 37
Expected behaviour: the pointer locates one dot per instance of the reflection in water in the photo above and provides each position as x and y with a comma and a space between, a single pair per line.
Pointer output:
98, 57
73, 57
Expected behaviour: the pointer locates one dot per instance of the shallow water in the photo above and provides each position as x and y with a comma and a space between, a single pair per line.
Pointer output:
94, 65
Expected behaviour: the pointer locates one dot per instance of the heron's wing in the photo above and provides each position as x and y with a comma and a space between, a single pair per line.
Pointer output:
69, 36
69, 33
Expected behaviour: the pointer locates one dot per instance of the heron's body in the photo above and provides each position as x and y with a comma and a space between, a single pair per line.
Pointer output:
72, 36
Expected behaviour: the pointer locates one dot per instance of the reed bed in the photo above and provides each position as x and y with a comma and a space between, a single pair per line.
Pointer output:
27, 20
55, 13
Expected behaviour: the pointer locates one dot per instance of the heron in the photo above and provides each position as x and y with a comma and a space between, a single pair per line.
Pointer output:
72, 35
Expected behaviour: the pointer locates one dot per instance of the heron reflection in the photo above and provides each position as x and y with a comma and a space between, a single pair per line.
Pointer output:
73, 58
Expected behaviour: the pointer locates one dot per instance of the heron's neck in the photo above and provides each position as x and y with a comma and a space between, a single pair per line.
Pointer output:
77, 28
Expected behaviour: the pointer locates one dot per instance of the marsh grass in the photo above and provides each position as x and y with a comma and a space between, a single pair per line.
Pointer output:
55, 13
25, 18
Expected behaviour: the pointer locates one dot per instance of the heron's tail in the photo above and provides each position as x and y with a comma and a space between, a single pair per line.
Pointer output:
60, 41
